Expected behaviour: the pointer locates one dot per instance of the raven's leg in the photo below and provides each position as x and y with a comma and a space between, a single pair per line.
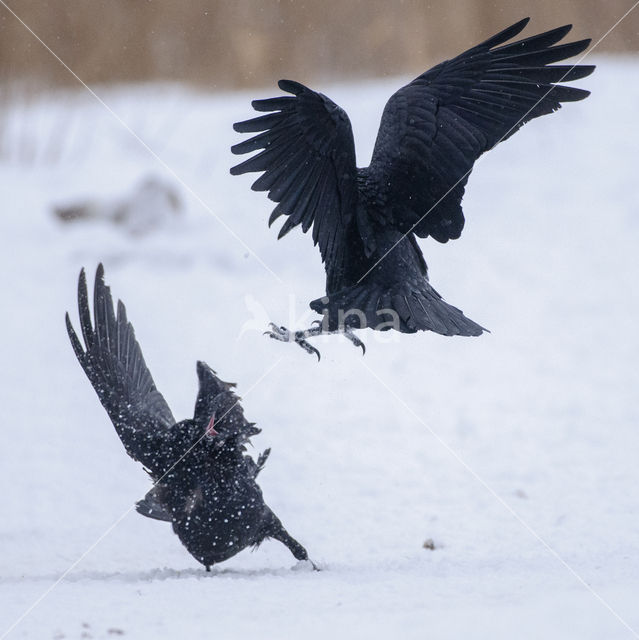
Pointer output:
284, 335
298, 551
278, 532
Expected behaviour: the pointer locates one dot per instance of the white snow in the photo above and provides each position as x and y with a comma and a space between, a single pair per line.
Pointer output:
516, 452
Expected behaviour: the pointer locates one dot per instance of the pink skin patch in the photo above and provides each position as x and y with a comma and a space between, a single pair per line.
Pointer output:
210, 429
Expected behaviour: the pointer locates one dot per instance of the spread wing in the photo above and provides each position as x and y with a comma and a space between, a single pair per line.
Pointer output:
308, 160
434, 128
112, 360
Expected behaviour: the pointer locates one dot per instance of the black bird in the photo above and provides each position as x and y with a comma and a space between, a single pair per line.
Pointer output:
204, 484
432, 131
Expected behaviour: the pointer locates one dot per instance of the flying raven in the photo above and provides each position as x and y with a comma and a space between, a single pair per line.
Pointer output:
204, 484
365, 219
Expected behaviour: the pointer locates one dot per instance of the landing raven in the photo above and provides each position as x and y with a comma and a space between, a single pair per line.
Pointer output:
203, 483
432, 131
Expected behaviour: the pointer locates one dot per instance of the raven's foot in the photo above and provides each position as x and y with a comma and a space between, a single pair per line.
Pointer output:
299, 337
305, 565
349, 335
278, 532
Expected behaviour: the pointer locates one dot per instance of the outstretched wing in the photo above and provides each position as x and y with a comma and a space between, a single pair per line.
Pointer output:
218, 407
434, 128
113, 362
308, 160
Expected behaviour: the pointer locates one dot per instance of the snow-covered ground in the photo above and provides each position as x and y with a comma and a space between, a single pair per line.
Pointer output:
517, 453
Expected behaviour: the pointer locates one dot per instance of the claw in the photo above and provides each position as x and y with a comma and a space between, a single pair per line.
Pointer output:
278, 333
355, 340
309, 348
284, 335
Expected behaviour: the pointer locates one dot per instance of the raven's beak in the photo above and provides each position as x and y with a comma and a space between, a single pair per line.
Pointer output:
210, 429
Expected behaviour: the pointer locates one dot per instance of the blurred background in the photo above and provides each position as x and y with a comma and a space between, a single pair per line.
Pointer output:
544, 408
217, 43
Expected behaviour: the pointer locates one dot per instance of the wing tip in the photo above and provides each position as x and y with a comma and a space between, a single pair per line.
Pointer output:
100, 288
576, 95
505, 34
121, 317
73, 337
67, 321
275, 214
579, 46
286, 227
236, 149
516, 28
291, 86
82, 281
564, 30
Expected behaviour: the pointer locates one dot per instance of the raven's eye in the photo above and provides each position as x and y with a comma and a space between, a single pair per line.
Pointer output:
210, 429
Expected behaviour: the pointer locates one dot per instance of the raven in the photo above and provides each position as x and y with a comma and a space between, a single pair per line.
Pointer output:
204, 484
365, 219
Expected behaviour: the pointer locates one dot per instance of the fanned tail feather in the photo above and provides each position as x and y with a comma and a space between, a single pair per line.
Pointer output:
401, 307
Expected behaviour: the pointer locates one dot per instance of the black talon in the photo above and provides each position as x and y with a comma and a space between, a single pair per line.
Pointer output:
278, 333
309, 348
349, 335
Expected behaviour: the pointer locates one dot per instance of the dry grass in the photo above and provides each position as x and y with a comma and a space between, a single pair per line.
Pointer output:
236, 43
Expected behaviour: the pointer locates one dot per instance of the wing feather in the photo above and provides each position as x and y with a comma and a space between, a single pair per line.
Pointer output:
308, 160
112, 360
434, 128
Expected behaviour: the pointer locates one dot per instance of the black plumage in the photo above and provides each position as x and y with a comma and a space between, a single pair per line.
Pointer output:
432, 130
204, 484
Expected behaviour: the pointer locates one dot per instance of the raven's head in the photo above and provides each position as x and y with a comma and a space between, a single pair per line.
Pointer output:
226, 422
218, 415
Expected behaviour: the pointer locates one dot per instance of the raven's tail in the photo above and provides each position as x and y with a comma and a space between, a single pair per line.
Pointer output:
403, 307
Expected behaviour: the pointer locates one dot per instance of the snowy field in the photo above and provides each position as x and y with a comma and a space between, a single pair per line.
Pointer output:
517, 453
